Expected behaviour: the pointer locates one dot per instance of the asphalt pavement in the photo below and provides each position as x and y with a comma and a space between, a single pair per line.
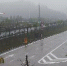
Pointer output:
50, 51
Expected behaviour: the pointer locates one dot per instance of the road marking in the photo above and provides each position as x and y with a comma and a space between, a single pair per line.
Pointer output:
53, 55
32, 56
58, 46
51, 61
52, 51
64, 61
44, 60
9, 56
49, 58
11, 51
59, 60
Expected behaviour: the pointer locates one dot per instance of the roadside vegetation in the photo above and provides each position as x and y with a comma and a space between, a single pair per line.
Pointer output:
34, 35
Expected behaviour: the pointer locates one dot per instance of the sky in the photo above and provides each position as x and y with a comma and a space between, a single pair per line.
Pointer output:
52, 4
58, 5
1, 1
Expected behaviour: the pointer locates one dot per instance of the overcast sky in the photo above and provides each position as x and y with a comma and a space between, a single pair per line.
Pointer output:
53, 4
59, 5
1, 1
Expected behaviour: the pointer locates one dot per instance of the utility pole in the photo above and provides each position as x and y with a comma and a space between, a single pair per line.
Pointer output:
39, 20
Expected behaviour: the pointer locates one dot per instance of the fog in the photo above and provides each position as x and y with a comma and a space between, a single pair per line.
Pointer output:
52, 4
55, 9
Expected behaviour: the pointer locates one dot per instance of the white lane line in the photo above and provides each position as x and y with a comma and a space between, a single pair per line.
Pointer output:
32, 56
53, 55
11, 51
63, 58
64, 61
59, 60
44, 60
9, 56
59, 46
49, 58
52, 51
49, 62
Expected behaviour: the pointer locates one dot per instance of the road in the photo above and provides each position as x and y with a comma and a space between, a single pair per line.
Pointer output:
50, 51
